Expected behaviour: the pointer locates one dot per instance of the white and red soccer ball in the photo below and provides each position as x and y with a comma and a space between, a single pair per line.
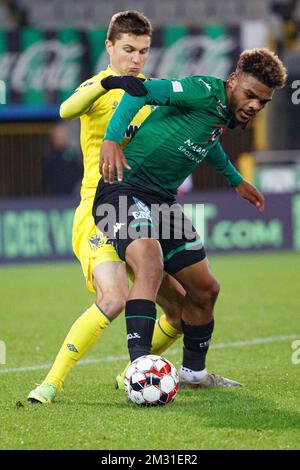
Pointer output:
151, 380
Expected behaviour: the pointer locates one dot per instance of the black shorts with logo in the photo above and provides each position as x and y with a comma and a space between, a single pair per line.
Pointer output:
125, 213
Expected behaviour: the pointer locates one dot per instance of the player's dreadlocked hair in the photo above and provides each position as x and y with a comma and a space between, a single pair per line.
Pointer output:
263, 65
128, 22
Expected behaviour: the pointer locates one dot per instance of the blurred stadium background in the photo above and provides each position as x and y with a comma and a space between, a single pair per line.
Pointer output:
46, 51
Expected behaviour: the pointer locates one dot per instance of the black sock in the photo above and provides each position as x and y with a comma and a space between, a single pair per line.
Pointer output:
140, 317
196, 341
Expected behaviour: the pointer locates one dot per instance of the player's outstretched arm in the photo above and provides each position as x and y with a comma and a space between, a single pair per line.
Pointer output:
158, 93
218, 158
81, 100
132, 85
251, 194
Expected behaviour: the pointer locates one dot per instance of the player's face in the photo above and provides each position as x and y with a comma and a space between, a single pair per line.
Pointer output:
246, 96
128, 54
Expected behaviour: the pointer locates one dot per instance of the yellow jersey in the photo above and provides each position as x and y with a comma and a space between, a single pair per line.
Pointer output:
95, 106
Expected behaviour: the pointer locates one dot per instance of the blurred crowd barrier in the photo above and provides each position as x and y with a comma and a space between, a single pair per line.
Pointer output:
48, 48
87, 14
42, 67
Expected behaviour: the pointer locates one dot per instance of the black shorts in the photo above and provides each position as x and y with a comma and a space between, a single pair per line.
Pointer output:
125, 213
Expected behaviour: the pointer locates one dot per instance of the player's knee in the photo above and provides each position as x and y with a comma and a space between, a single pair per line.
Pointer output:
214, 290
112, 302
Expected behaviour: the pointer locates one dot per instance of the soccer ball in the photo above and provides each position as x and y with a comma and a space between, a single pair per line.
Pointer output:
151, 381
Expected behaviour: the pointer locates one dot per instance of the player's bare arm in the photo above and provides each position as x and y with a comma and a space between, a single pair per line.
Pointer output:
112, 158
251, 194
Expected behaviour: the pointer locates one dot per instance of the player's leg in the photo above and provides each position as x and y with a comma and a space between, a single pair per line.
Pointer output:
167, 328
130, 225
202, 290
185, 259
144, 256
111, 285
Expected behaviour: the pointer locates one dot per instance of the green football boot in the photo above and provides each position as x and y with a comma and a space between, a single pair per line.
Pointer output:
44, 393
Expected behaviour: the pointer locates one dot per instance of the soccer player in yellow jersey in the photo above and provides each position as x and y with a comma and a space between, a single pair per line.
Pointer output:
128, 43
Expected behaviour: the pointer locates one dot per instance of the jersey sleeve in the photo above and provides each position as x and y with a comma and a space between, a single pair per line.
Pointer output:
187, 93
158, 94
191, 93
82, 99
220, 161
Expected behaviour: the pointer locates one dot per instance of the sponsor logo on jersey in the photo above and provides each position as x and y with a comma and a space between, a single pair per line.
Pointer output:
144, 211
131, 131
205, 83
177, 87
193, 151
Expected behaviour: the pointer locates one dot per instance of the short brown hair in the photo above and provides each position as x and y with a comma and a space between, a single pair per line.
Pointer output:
263, 65
128, 22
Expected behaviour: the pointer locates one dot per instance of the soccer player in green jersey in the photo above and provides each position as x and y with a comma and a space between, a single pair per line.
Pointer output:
183, 131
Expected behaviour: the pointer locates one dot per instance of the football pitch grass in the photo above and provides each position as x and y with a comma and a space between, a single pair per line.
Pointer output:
257, 319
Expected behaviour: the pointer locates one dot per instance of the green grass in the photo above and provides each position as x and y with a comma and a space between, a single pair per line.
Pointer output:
259, 299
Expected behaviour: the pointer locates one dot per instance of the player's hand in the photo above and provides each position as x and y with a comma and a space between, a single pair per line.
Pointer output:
111, 158
251, 194
133, 85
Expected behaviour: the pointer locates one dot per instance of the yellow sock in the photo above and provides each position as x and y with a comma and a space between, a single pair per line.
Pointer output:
164, 335
81, 337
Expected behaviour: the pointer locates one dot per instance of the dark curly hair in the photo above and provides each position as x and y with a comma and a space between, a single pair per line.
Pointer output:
128, 22
263, 65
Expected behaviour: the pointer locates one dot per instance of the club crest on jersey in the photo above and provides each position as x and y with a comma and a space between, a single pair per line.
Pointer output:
97, 240
216, 133
144, 212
